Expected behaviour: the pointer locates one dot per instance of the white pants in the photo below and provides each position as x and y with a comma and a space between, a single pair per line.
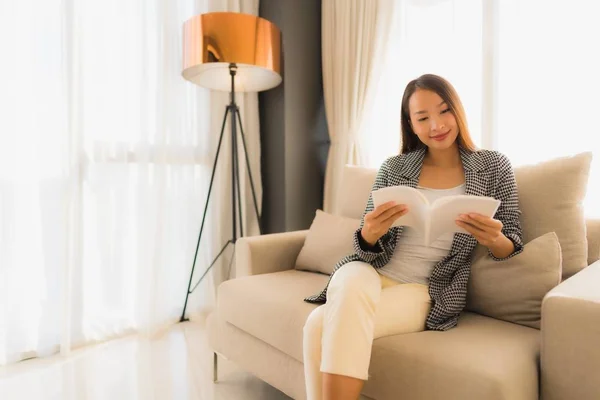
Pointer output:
362, 305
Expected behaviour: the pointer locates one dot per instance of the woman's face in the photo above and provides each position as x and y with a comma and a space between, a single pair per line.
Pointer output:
432, 120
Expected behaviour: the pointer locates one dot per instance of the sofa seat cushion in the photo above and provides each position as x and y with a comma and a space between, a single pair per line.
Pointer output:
498, 360
271, 307
482, 358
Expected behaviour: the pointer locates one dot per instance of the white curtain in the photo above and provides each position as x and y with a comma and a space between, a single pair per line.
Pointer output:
355, 34
105, 158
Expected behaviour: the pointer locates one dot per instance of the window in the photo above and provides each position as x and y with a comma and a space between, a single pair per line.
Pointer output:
543, 74
548, 98
442, 38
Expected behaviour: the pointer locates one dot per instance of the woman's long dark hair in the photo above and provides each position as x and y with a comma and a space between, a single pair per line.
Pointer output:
437, 84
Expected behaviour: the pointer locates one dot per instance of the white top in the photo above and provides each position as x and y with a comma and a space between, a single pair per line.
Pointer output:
413, 262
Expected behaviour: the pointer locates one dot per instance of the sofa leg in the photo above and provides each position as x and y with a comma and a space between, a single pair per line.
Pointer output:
215, 368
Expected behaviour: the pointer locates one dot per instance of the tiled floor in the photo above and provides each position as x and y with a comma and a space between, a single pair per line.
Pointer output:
175, 365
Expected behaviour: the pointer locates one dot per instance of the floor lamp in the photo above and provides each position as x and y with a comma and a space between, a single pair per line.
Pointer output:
232, 52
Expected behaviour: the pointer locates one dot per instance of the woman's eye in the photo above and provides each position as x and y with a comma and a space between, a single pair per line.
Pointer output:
423, 119
445, 111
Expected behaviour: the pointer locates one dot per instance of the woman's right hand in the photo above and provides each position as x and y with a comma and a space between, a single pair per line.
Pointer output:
379, 221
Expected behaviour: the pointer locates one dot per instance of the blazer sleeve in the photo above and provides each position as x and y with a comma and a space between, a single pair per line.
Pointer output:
361, 248
508, 211
451, 299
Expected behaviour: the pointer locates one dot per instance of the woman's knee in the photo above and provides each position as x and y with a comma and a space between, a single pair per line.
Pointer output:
355, 278
314, 323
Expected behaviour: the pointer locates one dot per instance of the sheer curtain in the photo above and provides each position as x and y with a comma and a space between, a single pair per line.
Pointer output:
105, 159
355, 36
34, 181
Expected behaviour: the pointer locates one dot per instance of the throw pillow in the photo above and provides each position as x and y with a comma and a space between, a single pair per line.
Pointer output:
551, 197
329, 239
513, 289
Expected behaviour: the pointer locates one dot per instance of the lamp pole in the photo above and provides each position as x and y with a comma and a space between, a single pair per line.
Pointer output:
231, 110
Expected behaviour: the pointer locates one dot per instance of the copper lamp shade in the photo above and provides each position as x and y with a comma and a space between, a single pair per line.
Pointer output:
213, 41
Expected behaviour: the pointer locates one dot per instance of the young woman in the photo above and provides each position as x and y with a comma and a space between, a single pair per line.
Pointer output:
393, 284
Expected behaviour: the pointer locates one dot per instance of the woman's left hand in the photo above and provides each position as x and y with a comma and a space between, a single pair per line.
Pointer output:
486, 230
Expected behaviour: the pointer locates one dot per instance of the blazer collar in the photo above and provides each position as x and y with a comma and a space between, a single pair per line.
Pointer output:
413, 162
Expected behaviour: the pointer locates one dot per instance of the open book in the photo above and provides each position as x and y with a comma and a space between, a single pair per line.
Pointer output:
433, 220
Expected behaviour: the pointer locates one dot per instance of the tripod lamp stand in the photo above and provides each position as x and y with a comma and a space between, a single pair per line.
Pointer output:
232, 52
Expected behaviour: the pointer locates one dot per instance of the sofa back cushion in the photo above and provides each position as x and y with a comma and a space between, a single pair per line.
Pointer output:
355, 189
550, 195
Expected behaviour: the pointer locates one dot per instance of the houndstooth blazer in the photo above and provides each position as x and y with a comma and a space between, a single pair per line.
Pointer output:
487, 173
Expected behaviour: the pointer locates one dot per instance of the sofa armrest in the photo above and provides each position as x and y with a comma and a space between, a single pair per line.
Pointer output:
570, 341
593, 237
264, 254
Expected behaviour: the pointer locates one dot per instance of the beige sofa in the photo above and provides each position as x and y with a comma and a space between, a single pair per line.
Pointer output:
260, 315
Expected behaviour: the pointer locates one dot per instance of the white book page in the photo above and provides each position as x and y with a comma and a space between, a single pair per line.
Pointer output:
445, 210
418, 205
